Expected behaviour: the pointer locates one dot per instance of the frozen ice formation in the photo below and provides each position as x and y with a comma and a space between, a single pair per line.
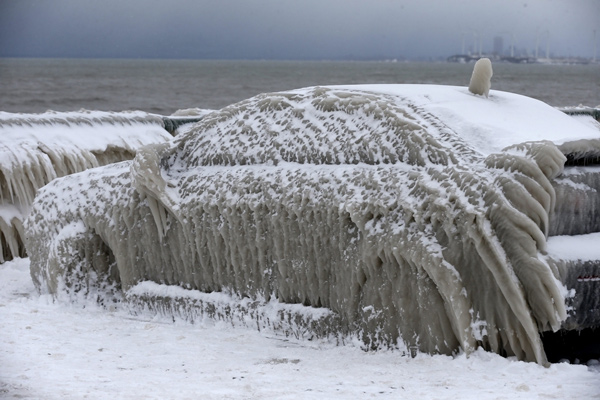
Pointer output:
416, 214
481, 78
36, 148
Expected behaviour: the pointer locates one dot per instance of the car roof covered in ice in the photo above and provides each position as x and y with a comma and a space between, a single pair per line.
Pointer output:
489, 124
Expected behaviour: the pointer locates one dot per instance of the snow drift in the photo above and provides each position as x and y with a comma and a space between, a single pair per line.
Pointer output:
416, 214
36, 148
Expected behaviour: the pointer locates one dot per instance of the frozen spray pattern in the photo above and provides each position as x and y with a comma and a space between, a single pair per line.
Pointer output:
351, 199
37, 148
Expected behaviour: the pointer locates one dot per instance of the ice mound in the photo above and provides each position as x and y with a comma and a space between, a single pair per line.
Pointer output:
403, 210
36, 148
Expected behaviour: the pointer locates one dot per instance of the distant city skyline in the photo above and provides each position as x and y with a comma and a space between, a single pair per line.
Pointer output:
308, 29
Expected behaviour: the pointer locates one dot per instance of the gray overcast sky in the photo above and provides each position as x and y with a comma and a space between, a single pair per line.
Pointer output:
286, 29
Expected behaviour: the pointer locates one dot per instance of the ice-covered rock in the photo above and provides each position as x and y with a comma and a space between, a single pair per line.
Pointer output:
416, 214
36, 148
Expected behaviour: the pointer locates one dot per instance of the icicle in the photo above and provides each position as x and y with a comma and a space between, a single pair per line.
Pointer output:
37, 148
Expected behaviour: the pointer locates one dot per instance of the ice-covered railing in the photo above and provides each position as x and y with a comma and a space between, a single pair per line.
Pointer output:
416, 214
36, 148
593, 112
578, 153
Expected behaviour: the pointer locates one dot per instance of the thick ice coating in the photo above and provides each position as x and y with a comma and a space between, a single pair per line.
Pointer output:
352, 199
36, 148
481, 78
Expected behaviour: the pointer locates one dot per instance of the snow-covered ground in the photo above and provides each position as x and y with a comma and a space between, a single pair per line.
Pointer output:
58, 351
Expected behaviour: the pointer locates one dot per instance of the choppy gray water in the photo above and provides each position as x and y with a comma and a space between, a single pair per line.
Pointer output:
163, 86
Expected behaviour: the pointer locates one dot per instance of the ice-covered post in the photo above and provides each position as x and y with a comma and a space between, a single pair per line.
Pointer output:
481, 77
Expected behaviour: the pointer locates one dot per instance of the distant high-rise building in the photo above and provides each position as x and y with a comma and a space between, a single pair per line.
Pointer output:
498, 45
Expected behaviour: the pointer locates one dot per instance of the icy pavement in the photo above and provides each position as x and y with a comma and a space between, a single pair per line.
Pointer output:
57, 351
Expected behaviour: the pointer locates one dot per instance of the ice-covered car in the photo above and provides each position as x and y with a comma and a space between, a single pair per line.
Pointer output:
404, 215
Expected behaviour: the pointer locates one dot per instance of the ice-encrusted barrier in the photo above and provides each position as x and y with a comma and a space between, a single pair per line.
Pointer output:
593, 112
37, 148
361, 201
